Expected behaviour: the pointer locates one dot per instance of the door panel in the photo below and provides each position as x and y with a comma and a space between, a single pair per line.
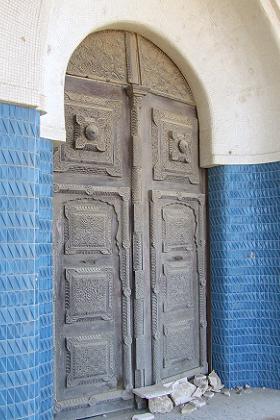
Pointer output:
92, 230
176, 268
174, 151
129, 228
97, 120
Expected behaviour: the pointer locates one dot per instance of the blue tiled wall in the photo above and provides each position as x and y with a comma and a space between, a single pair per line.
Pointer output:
25, 264
244, 207
44, 270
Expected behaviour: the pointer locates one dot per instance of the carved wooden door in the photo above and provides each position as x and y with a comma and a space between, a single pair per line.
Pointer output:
128, 227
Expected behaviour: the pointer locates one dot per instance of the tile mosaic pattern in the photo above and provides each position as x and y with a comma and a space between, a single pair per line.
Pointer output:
244, 207
25, 267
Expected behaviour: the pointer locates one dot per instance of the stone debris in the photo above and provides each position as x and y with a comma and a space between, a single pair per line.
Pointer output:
226, 391
197, 393
160, 404
188, 395
144, 416
198, 402
201, 381
153, 391
217, 391
187, 409
182, 391
215, 382
238, 390
208, 395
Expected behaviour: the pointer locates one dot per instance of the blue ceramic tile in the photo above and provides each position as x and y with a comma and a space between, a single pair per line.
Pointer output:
244, 207
25, 266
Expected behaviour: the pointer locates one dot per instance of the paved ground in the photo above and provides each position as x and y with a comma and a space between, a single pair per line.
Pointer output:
261, 404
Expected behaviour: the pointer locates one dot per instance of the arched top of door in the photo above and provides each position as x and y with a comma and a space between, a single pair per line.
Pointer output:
124, 57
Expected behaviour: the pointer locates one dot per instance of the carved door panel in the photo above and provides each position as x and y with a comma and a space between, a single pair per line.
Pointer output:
92, 253
129, 227
173, 186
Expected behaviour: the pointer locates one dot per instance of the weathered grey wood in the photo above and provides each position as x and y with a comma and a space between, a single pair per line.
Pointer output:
129, 228
93, 252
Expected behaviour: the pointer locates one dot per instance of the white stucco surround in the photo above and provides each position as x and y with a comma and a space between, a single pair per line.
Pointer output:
227, 49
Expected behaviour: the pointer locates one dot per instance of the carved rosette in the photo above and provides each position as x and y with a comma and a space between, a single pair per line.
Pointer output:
93, 136
174, 147
89, 135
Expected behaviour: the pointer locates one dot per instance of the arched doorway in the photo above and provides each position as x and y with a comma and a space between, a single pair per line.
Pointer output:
129, 228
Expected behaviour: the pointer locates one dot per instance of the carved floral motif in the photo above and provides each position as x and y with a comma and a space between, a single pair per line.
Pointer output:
90, 359
178, 226
88, 293
160, 74
100, 56
179, 285
88, 228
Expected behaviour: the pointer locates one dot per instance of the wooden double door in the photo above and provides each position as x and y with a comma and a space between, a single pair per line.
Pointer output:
129, 227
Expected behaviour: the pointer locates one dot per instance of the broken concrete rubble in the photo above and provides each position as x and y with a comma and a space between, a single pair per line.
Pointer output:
201, 381
160, 404
215, 381
209, 395
197, 393
144, 416
188, 395
153, 391
198, 402
182, 391
187, 409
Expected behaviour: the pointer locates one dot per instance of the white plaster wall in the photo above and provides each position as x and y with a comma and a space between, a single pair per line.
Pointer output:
23, 31
228, 50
